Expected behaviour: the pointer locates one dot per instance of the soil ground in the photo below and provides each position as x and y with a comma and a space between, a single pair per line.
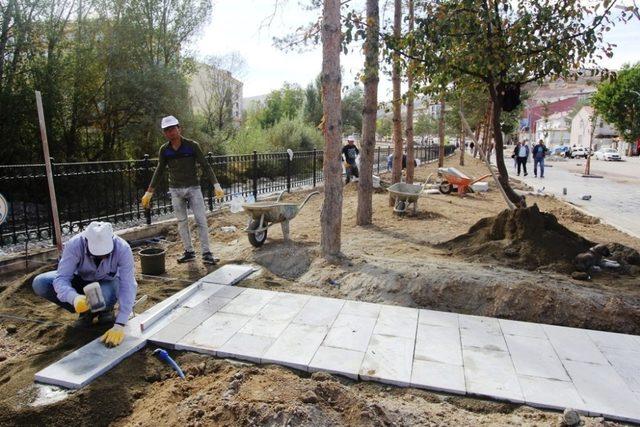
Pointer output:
397, 260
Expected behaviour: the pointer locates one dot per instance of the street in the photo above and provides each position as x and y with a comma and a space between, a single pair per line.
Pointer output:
615, 198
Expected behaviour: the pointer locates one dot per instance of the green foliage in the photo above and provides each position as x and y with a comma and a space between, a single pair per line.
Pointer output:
618, 102
313, 103
424, 125
294, 134
384, 127
352, 106
280, 104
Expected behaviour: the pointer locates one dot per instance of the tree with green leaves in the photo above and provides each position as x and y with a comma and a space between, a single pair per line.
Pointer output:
282, 103
618, 102
504, 44
352, 105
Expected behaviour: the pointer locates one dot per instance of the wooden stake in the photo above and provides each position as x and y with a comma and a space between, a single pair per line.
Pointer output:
47, 164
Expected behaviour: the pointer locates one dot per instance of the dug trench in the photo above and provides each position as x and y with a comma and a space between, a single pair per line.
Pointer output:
410, 261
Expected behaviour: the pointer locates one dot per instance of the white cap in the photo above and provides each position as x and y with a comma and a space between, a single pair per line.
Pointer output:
351, 138
168, 122
99, 237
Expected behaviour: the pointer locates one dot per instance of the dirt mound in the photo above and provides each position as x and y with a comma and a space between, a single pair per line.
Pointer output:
289, 260
524, 237
574, 215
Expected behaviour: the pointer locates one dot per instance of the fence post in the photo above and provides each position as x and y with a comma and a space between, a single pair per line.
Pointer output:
314, 167
210, 190
145, 164
255, 175
288, 174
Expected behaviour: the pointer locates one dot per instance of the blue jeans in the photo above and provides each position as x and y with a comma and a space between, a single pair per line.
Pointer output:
537, 162
43, 286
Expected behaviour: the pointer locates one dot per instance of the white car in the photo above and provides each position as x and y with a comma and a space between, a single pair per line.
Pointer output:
577, 152
608, 154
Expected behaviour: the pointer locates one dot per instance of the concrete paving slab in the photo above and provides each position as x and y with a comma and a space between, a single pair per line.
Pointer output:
477, 338
296, 346
388, 359
213, 333
275, 311
229, 292
248, 303
613, 340
537, 392
350, 332
364, 309
290, 300
397, 321
438, 376
264, 327
337, 361
522, 329
603, 391
438, 318
229, 274
486, 325
438, 344
627, 365
206, 291
246, 347
535, 357
319, 311
574, 344
491, 373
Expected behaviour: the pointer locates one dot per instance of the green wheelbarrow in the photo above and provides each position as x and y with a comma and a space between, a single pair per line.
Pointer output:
263, 215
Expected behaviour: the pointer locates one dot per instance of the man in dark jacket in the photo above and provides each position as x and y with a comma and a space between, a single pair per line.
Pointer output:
350, 152
539, 153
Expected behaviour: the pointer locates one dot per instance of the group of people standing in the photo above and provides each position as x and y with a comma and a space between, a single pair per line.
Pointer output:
521, 154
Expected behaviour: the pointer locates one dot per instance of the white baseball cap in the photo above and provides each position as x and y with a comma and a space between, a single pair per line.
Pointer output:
99, 237
168, 122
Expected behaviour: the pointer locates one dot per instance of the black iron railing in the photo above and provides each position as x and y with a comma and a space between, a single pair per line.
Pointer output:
111, 190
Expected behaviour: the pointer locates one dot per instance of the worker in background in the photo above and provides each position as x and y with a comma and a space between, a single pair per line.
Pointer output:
350, 152
180, 156
95, 255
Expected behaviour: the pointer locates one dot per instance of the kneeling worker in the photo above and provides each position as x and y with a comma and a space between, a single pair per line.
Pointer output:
95, 255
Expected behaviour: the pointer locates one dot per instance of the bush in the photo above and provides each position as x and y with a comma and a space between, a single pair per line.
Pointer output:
294, 134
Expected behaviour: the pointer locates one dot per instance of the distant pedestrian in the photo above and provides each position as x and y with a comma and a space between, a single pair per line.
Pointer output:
521, 154
539, 153
350, 152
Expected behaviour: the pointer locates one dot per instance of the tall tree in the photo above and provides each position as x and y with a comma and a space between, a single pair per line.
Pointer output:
371, 79
331, 215
396, 171
441, 133
410, 98
618, 102
506, 43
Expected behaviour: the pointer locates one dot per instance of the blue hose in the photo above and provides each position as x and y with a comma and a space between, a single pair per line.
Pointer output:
164, 356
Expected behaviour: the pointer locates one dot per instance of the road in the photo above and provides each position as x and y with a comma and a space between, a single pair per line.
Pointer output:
615, 198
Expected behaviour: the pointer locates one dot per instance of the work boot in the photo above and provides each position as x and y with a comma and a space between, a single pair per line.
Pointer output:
188, 256
106, 317
85, 320
207, 258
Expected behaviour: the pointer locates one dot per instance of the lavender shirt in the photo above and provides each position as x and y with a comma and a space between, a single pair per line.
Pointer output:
76, 260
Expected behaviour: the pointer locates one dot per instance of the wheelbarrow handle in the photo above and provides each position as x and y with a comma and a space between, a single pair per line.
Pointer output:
307, 199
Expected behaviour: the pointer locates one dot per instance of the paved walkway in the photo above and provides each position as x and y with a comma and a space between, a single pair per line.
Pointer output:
597, 373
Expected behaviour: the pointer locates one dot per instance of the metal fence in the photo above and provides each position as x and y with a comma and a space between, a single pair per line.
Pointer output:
111, 190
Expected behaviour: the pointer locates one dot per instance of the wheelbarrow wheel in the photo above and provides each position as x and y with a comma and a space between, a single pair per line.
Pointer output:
256, 239
445, 187
400, 207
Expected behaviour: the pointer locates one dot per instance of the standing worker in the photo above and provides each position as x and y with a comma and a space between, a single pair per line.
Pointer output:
521, 154
350, 152
95, 255
539, 153
180, 156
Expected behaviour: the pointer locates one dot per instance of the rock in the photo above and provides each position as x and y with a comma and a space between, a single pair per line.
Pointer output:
321, 376
309, 397
11, 329
3, 357
511, 252
580, 275
570, 417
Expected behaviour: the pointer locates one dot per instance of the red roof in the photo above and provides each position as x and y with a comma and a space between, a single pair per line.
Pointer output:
537, 112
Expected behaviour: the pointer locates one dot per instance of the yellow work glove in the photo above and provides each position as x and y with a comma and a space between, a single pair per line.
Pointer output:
81, 304
218, 191
346, 165
146, 200
114, 336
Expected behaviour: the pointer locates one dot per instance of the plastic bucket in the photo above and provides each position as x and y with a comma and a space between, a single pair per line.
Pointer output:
152, 261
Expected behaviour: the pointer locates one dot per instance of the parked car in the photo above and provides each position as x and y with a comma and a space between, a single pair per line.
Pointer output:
561, 150
579, 152
608, 154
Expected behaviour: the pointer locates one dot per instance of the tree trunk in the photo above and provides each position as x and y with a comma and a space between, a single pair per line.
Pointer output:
331, 215
371, 48
502, 170
409, 130
462, 147
396, 171
441, 133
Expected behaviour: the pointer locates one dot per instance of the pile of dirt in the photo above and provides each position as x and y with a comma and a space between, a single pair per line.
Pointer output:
525, 237
570, 214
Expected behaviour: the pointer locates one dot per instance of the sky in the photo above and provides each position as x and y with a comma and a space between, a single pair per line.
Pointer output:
248, 27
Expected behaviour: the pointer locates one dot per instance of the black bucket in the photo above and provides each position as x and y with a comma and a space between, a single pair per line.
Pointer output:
152, 261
